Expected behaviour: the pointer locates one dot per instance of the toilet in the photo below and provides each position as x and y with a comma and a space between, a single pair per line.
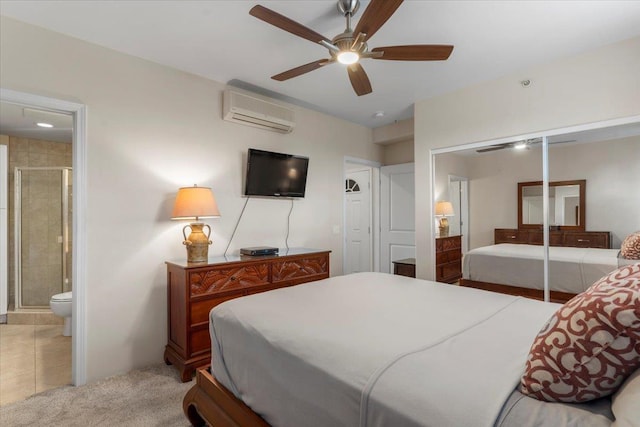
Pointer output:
61, 306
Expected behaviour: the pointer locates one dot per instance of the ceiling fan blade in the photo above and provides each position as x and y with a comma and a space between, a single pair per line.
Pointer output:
492, 148
284, 23
375, 15
416, 52
359, 79
295, 72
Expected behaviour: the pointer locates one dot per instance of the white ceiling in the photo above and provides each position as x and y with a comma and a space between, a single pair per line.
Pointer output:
16, 120
221, 41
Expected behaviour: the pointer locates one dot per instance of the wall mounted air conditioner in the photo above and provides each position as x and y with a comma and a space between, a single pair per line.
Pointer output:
245, 109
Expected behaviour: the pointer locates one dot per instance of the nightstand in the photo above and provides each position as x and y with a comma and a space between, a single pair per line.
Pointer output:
405, 267
448, 259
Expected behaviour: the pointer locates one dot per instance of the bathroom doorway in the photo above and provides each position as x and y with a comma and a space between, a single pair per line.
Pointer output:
35, 354
42, 212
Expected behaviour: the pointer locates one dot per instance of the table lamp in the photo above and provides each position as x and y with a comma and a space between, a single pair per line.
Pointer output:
443, 210
195, 203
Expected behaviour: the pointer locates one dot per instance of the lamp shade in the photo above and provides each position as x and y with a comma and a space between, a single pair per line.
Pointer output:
444, 209
195, 202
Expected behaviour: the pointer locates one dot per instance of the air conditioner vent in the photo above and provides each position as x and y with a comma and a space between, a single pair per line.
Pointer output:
245, 109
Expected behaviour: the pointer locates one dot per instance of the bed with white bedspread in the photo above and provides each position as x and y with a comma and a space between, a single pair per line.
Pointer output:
371, 349
571, 270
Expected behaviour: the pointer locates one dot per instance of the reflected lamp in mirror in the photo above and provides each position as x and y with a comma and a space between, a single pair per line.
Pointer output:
443, 210
195, 203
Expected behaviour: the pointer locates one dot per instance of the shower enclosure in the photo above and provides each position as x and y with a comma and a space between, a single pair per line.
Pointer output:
42, 213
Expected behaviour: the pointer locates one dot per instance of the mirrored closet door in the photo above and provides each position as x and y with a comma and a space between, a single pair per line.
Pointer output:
575, 190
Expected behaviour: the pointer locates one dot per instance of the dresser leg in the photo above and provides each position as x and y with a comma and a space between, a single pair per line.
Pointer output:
186, 369
186, 374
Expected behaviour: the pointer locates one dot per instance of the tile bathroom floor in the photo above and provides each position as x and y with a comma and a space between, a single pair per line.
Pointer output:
33, 358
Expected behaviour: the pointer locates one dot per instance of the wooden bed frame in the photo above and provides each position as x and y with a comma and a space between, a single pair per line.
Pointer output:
210, 403
554, 296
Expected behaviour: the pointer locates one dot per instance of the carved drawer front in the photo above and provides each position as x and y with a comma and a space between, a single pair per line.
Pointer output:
217, 280
300, 268
451, 243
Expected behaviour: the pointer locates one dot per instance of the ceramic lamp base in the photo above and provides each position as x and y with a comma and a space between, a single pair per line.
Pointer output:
443, 229
197, 243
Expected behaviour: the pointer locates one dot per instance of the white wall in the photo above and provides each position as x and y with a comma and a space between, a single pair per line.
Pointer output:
595, 86
493, 190
612, 171
448, 164
152, 129
397, 153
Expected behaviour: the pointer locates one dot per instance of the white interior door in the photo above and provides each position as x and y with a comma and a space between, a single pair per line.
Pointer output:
397, 214
359, 254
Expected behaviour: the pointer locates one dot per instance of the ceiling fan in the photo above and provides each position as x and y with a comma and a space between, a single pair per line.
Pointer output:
518, 144
350, 46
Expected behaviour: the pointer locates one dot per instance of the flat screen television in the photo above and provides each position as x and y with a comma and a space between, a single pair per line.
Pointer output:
275, 174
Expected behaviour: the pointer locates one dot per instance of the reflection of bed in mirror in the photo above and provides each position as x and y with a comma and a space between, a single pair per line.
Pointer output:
514, 265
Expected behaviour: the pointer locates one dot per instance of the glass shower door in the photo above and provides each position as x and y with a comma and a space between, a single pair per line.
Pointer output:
42, 234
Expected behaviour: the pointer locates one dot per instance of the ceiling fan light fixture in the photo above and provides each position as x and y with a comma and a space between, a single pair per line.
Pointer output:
348, 57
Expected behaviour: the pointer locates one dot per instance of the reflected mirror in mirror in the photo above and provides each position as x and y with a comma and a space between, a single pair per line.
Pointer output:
566, 204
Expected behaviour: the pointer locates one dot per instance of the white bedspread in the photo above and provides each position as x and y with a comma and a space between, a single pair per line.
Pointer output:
571, 270
371, 349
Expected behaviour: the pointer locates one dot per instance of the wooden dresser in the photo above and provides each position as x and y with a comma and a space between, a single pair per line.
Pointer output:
448, 259
568, 238
194, 289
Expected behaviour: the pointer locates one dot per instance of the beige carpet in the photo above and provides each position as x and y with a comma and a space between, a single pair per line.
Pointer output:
147, 397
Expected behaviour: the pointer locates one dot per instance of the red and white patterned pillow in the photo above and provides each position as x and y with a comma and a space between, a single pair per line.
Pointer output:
630, 248
590, 345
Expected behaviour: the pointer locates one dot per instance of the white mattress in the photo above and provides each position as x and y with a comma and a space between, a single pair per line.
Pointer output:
371, 349
571, 270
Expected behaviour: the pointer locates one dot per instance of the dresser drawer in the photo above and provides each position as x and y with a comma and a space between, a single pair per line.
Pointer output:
448, 256
587, 240
299, 270
200, 309
200, 342
505, 235
536, 237
449, 272
211, 281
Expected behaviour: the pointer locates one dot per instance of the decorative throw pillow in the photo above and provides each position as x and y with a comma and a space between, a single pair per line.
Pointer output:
590, 345
630, 248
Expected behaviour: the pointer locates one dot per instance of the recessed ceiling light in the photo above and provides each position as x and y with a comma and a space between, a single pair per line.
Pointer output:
44, 125
520, 145
378, 114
